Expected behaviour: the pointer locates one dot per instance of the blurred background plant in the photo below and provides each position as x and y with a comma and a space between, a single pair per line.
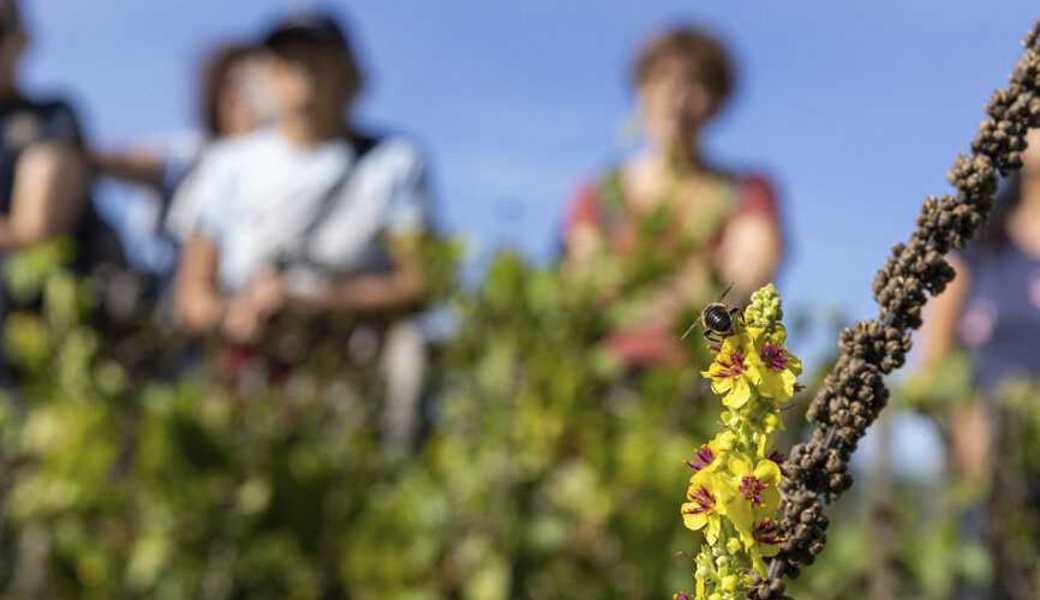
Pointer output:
546, 470
541, 475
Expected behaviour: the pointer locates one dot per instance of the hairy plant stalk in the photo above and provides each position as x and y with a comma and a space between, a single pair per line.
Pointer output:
854, 392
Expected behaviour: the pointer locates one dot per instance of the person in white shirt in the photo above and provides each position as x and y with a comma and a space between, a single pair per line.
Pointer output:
311, 216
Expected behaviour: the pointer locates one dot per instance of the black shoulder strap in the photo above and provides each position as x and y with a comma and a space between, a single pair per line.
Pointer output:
363, 144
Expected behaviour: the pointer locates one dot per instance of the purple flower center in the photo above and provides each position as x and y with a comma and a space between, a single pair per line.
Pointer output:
703, 458
734, 367
704, 500
766, 532
751, 488
774, 356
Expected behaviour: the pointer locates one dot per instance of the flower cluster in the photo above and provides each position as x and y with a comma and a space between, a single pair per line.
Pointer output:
854, 392
733, 494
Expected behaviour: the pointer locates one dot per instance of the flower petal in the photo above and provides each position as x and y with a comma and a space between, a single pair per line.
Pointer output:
696, 522
739, 395
768, 472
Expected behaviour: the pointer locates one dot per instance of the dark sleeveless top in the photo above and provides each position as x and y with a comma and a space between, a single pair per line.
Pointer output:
24, 122
1000, 325
27, 121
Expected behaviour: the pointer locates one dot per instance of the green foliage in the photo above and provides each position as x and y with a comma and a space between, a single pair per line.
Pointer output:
553, 463
549, 470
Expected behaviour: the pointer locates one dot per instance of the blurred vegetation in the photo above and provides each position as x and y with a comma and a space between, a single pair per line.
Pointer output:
547, 471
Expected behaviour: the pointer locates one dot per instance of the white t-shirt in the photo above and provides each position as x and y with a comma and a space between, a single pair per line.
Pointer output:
258, 196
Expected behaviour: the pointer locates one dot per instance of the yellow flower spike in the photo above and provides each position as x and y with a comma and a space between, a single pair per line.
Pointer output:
733, 374
735, 486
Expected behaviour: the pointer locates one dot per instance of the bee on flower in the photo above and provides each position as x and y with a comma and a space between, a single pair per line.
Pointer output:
734, 492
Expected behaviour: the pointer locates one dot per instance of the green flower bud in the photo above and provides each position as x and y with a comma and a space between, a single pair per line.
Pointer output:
765, 309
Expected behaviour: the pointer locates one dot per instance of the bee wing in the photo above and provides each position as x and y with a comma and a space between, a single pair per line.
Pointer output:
726, 292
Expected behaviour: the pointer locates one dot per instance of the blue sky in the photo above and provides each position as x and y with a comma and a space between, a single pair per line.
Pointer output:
855, 109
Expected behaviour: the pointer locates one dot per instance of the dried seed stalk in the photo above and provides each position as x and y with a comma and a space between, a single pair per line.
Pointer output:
854, 392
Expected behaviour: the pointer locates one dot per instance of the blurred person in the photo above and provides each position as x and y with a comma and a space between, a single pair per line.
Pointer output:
233, 99
44, 178
991, 311
683, 78
311, 216
992, 308
44, 182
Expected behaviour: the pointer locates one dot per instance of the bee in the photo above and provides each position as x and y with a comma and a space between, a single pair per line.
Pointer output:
718, 320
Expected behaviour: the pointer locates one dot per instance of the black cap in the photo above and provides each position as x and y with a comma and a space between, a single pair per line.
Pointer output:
318, 29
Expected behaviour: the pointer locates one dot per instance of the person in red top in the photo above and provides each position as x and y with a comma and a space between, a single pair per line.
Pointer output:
669, 204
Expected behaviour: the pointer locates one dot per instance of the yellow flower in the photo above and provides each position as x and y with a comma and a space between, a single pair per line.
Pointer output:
766, 537
778, 369
756, 495
711, 455
733, 373
707, 498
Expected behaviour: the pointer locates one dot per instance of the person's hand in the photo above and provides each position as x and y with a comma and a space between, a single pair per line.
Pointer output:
267, 291
243, 323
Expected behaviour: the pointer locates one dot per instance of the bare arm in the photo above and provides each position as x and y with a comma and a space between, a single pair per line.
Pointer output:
48, 197
401, 289
944, 312
142, 167
970, 424
198, 304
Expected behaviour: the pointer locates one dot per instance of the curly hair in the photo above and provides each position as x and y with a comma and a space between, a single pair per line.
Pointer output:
702, 50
